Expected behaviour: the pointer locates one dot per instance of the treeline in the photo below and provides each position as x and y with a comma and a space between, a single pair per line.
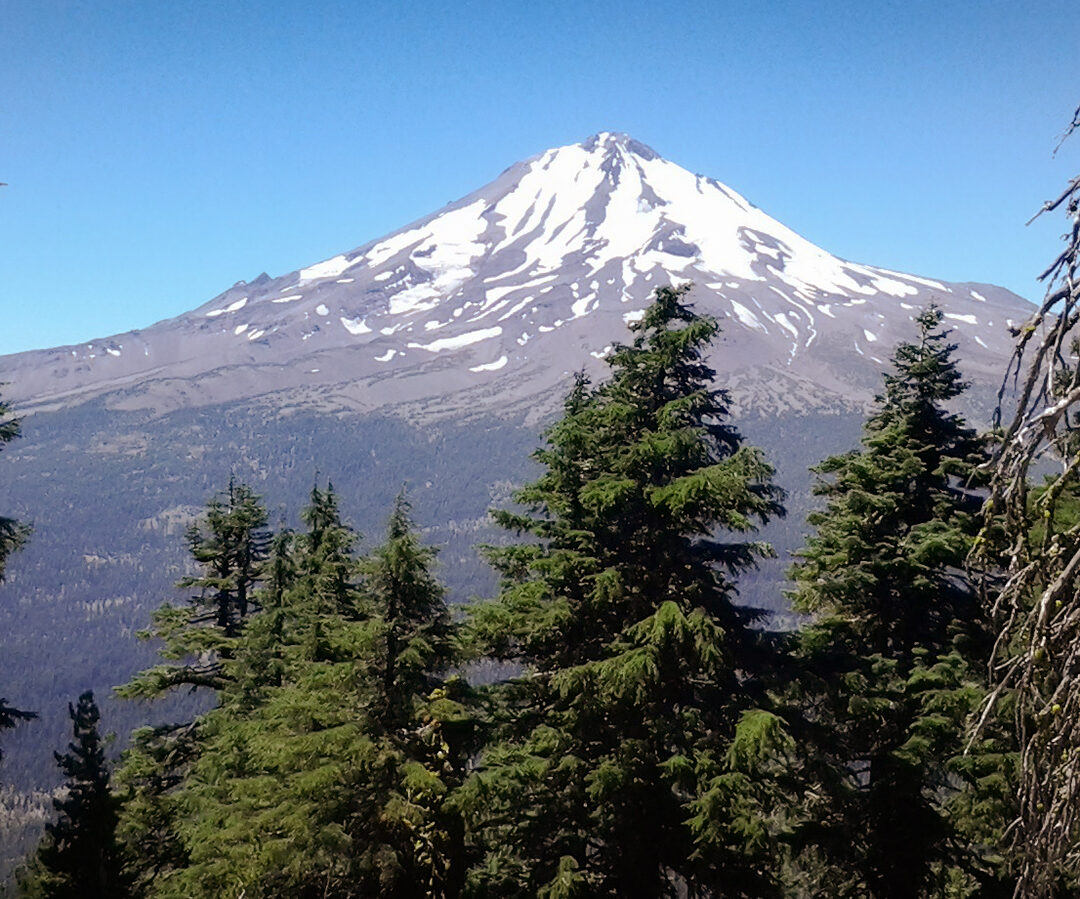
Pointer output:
654, 740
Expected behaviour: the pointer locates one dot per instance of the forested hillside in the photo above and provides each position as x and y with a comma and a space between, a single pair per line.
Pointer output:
113, 549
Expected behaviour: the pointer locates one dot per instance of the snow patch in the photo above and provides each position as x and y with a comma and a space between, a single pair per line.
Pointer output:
894, 288
461, 340
387, 356
870, 336
289, 299
444, 248
966, 319
321, 309
232, 307
355, 326
937, 285
490, 366
584, 305
747, 317
331, 268
785, 323
420, 298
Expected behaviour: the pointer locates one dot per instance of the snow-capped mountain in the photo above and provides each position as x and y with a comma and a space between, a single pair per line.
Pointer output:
492, 300
460, 333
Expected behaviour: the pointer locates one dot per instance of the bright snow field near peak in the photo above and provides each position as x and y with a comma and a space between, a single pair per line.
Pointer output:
540, 270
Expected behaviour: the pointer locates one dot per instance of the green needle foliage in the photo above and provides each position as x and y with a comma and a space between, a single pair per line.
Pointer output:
613, 776
895, 658
229, 544
326, 769
79, 857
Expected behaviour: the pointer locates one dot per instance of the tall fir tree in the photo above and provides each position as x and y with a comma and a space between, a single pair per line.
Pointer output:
895, 657
420, 720
229, 544
79, 857
614, 777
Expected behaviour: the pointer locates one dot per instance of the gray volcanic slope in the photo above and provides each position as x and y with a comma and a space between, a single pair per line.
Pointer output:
429, 357
486, 305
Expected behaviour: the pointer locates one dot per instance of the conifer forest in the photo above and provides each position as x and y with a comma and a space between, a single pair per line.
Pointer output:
615, 721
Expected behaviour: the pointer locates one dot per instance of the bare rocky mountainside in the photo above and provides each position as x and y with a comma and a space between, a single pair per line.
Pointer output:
431, 357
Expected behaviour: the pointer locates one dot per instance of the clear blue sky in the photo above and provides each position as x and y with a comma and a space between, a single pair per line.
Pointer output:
157, 152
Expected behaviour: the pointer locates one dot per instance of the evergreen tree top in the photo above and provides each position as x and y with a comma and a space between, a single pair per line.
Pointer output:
901, 512
622, 608
643, 466
79, 859
924, 375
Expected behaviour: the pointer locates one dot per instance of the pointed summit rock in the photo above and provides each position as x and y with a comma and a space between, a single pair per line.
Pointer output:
489, 302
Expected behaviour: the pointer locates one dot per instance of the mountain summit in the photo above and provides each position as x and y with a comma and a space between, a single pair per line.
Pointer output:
493, 299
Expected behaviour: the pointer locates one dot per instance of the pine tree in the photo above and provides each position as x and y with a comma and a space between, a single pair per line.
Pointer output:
198, 639
260, 803
325, 770
79, 857
420, 717
229, 544
894, 658
614, 777
416, 642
